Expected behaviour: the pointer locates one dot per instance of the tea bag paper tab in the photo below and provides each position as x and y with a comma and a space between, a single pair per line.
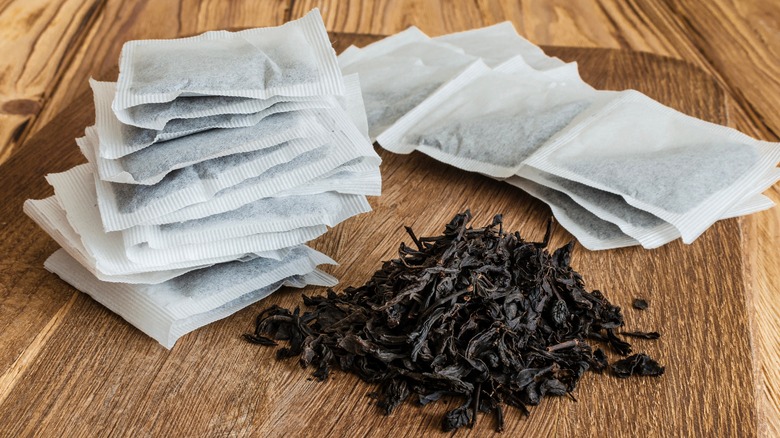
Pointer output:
294, 59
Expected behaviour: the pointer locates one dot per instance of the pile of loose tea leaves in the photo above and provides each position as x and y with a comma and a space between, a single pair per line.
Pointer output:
476, 313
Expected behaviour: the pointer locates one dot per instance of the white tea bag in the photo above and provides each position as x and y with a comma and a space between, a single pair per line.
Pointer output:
117, 139
498, 43
168, 310
649, 230
491, 121
48, 214
150, 165
683, 170
591, 231
295, 59
426, 65
246, 177
76, 194
304, 175
268, 215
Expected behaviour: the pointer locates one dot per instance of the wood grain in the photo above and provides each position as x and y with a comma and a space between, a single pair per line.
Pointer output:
36, 40
115, 381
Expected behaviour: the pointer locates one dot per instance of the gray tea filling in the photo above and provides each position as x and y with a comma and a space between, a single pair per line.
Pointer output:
149, 162
202, 282
132, 197
216, 65
151, 114
501, 139
589, 222
676, 180
609, 202
383, 108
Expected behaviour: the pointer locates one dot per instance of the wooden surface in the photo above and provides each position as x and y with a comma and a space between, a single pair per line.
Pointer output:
72, 367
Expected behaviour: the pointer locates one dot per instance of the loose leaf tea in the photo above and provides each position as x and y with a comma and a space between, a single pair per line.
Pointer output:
640, 304
476, 313
637, 365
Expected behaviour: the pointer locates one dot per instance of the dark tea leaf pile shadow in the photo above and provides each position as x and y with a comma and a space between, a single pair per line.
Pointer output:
475, 313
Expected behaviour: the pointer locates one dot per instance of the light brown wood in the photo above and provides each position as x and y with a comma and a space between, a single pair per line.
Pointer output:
94, 367
736, 41
36, 40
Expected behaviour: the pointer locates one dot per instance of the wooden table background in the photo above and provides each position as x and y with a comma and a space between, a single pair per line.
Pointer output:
50, 47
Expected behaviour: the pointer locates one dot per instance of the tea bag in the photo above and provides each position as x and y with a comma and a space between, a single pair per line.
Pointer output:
591, 231
295, 59
497, 43
48, 214
267, 215
683, 170
117, 140
76, 194
150, 165
313, 170
171, 309
649, 230
426, 64
491, 121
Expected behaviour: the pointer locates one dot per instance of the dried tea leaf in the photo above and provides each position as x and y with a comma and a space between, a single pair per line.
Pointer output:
475, 313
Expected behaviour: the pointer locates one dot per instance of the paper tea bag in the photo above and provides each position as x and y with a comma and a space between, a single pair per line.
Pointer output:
268, 215
591, 231
244, 177
171, 309
491, 121
117, 140
304, 175
295, 59
150, 165
497, 44
649, 230
425, 63
48, 214
685, 171
76, 194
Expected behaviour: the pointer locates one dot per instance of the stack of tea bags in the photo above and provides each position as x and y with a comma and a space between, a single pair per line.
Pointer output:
616, 168
213, 160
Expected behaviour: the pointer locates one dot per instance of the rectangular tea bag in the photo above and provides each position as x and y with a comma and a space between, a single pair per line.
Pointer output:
295, 59
498, 43
48, 214
268, 215
683, 170
426, 65
591, 231
150, 165
168, 310
491, 121
76, 194
118, 140
246, 177
649, 230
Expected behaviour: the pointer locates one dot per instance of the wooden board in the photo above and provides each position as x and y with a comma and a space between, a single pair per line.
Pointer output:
75, 368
